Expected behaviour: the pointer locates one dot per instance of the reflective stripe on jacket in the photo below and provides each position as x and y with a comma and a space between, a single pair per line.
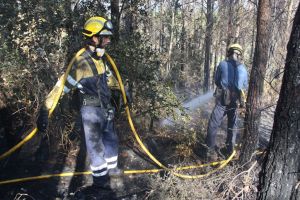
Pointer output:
90, 75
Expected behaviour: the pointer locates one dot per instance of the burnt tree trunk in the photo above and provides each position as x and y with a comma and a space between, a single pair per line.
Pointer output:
254, 103
280, 171
208, 41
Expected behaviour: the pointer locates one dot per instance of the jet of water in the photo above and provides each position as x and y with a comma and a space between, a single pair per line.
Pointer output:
190, 106
197, 101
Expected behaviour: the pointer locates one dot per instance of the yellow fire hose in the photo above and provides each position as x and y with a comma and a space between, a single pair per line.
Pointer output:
30, 135
58, 94
126, 172
138, 139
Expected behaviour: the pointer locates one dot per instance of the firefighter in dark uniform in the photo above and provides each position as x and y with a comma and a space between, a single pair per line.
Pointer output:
94, 80
231, 79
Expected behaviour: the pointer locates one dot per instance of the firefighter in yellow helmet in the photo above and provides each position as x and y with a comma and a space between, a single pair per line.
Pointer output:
231, 79
235, 49
92, 77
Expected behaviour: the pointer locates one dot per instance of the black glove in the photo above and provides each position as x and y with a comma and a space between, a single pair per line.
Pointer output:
42, 120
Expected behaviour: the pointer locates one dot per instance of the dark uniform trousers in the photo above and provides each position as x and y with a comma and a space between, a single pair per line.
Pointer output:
101, 139
215, 121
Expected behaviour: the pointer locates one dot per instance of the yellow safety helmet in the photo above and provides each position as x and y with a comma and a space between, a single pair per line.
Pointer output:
235, 48
97, 26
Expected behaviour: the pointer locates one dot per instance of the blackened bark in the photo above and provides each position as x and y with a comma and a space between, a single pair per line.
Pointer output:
254, 103
280, 170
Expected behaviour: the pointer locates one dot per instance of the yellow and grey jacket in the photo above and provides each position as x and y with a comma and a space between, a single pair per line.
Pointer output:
91, 75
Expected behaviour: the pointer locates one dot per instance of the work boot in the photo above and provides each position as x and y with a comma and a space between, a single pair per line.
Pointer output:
201, 150
85, 193
93, 192
115, 172
102, 182
229, 150
211, 155
116, 178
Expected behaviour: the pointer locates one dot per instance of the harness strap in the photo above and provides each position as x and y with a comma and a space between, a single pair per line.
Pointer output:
93, 101
92, 64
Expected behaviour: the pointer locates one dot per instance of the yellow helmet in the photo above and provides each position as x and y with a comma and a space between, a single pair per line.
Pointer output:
235, 47
97, 26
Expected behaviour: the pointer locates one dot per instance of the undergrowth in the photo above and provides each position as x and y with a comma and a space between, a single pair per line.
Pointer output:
228, 183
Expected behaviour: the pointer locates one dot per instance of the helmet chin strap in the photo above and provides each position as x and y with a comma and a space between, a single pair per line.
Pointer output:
100, 51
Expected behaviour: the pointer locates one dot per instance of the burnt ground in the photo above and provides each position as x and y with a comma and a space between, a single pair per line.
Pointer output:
43, 155
51, 158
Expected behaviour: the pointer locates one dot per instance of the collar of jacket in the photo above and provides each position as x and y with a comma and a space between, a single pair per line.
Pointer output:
92, 51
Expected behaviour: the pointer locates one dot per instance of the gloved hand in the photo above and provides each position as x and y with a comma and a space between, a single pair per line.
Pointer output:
128, 97
242, 99
242, 109
42, 120
110, 114
242, 104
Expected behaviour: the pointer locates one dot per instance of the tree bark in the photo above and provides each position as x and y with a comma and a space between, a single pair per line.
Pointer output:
254, 99
230, 34
183, 39
237, 22
161, 30
115, 18
208, 41
280, 170
288, 20
169, 63
252, 41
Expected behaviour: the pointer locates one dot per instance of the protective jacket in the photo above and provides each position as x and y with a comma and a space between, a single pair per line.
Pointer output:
231, 78
231, 75
91, 75
93, 78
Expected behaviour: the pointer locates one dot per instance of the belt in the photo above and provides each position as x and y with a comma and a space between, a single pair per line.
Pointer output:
88, 100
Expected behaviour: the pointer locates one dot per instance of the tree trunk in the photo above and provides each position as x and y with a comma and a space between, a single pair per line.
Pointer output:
208, 41
128, 23
183, 52
230, 34
254, 99
280, 170
217, 47
115, 18
169, 63
288, 20
237, 20
252, 41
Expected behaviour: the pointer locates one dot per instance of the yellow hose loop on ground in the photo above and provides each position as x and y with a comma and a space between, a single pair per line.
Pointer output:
223, 164
44, 177
27, 138
56, 99
126, 172
13, 149
142, 144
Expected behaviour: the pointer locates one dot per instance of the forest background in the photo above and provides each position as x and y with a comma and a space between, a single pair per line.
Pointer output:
167, 50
